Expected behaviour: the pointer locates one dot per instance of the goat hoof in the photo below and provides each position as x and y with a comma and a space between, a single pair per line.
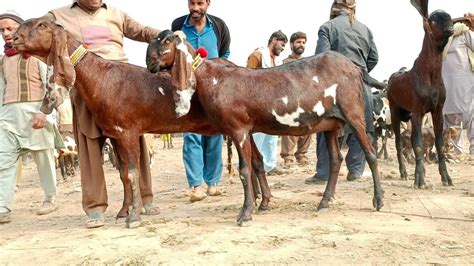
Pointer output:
133, 221
377, 202
122, 214
263, 205
243, 222
134, 224
420, 186
448, 183
323, 206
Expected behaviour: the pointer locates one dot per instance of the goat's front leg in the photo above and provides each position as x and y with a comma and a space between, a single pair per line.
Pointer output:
127, 186
398, 141
245, 169
384, 147
259, 171
335, 160
416, 143
438, 130
130, 156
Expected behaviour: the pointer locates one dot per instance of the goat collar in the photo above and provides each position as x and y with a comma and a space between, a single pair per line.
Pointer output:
197, 62
77, 55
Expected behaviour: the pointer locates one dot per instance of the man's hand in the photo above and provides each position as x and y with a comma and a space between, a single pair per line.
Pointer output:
39, 120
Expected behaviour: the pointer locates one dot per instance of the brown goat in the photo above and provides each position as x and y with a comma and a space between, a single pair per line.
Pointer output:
414, 93
310, 95
126, 100
428, 140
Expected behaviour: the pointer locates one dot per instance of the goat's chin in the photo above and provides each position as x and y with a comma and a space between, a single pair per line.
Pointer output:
153, 68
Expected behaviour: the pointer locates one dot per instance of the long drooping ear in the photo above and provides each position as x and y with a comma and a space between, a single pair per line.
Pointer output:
181, 72
421, 6
63, 75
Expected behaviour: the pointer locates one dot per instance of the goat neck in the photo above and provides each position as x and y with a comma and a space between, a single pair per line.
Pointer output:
429, 61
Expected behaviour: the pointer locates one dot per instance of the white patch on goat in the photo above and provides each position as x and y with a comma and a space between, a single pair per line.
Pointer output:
53, 85
289, 119
69, 142
167, 51
161, 91
214, 81
184, 49
316, 79
285, 100
319, 108
119, 129
184, 104
331, 92
243, 140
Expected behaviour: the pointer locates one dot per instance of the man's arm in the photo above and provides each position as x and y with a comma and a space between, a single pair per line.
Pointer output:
373, 56
136, 31
225, 42
324, 40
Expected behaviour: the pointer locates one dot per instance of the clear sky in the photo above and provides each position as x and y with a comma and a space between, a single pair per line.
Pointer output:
396, 25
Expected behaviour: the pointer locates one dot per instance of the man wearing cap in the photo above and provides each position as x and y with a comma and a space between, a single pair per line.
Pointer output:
22, 89
302, 143
102, 27
344, 34
266, 57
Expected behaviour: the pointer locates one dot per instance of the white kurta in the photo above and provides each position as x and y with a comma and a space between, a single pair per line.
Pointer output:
457, 75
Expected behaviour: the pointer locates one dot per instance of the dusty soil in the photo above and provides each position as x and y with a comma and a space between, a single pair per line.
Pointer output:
431, 226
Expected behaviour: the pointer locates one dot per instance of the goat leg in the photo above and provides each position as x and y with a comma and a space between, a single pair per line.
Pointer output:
395, 114
416, 142
259, 171
245, 169
438, 130
384, 147
127, 186
335, 160
371, 158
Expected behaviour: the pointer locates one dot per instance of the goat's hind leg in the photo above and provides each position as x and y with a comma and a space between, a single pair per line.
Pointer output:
370, 156
335, 160
438, 130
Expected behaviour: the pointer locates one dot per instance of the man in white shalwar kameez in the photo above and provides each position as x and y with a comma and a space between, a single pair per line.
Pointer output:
458, 77
21, 92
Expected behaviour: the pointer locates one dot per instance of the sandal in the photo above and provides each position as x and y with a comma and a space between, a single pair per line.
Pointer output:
94, 220
149, 209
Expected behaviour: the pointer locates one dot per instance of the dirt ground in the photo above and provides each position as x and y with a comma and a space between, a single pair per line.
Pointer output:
431, 226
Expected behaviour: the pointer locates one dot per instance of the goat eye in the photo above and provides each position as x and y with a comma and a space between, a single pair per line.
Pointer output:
167, 41
41, 25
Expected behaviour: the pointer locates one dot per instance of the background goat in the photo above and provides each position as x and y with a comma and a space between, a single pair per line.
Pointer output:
126, 100
297, 98
420, 90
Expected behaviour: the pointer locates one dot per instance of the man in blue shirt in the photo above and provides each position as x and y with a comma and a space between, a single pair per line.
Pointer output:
202, 155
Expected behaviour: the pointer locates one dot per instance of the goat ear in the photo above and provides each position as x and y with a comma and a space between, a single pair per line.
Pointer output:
181, 72
421, 6
63, 76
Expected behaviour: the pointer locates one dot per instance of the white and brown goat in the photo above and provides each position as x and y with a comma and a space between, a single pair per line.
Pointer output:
314, 94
